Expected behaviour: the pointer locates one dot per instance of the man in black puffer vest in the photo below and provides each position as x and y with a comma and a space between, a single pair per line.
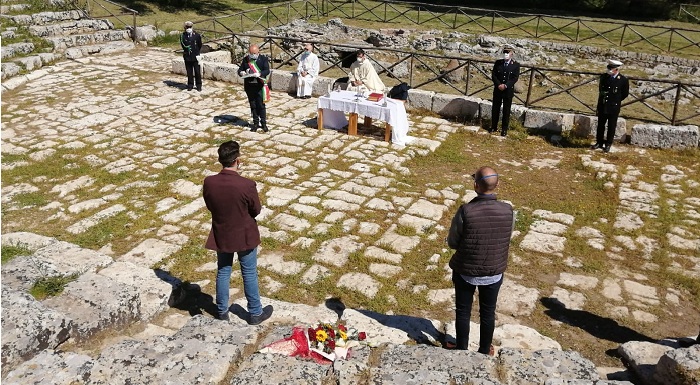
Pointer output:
480, 235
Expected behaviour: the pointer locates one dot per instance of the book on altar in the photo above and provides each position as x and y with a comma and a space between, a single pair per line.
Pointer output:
375, 97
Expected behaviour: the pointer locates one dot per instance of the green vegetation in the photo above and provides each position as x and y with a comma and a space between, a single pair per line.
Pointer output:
51, 286
11, 251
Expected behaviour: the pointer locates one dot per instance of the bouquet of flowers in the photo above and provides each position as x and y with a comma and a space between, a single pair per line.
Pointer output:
333, 341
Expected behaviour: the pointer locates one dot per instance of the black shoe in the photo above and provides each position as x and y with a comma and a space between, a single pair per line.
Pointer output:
255, 128
503, 133
199, 89
264, 128
596, 146
257, 319
189, 88
606, 148
307, 97
223, 317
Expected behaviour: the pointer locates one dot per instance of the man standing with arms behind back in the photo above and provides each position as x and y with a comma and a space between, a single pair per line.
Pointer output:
191, 43
480, 235
234, 203
256, 69
613, 88
505, 74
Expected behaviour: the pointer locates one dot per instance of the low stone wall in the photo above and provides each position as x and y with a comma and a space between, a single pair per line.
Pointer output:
216, 66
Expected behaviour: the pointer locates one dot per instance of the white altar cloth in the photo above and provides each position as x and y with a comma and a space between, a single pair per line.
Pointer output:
340, 102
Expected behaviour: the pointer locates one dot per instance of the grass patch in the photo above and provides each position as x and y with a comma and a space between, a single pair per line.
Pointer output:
9, 252
32, 199
51, 286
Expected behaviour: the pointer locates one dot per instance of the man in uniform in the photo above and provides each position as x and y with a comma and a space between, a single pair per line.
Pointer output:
504, 75
363, 77
255, 69
613, 88
307, 71
191, 43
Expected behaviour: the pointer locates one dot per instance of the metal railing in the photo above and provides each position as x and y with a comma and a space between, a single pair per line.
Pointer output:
650, 100
99, 9
634, 36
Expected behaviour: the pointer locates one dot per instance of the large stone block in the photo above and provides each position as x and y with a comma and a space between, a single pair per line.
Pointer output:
28, 327
679, 366
321, 85
283, 81
178, 67
96, 303
642, 357
221, 71
535, 367
217, 57
456, 106
155, 287
586, 126
51, 367
420, 99
548, 120
517, 112
662, 136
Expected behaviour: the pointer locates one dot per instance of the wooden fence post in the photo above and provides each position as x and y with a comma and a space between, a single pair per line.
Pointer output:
675, 104
529, 87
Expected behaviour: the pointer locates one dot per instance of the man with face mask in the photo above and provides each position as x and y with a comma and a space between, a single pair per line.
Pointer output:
504, 75
307, 71
363, 77
191, 43
255, 69
613, 88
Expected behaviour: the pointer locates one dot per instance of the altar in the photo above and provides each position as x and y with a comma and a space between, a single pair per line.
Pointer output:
332, 110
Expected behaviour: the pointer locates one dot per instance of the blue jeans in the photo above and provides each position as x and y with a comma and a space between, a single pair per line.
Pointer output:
249, 270
464, 296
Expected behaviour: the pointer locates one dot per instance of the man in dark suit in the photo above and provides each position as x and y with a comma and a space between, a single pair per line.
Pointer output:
613, 88
255, 69
234, 203
191, 43
504, 75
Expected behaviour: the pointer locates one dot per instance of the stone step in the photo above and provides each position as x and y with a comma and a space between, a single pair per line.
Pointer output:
33, 62
73, 27
61, 43
108, 48
44, 18
15, 49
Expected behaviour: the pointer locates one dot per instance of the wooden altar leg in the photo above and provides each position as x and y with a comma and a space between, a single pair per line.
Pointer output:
368, 122
387, 132
352, 124
319, 119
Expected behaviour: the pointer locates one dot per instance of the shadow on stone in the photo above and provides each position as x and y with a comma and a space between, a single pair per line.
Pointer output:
230, 119
174, 84
420, 330
191, 299
336, 305
595, 325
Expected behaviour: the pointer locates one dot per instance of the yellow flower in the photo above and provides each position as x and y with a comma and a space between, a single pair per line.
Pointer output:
343, 335
321, 335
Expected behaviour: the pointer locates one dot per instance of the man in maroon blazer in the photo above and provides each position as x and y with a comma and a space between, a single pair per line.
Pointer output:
234, 203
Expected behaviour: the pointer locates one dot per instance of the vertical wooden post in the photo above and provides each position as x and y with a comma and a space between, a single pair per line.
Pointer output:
622, 38
529, 87
675, 104
410, 73
469, 66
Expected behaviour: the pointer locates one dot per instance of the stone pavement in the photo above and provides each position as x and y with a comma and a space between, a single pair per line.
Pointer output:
136, 146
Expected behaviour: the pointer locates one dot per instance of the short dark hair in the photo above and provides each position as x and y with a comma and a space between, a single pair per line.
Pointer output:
360, 52
228, 153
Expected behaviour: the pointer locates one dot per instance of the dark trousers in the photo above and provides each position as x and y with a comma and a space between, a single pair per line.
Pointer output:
464, 296
194, 74
506, 98
611, 119
257, 107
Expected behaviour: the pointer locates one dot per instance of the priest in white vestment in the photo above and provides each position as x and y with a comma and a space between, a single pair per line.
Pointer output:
307, 71
363, 78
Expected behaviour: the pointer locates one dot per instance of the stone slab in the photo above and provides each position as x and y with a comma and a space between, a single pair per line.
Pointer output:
664, 136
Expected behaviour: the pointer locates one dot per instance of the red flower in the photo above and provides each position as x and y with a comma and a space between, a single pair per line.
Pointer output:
331, 344
331, 333
342, 327
362, 336
312, 334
